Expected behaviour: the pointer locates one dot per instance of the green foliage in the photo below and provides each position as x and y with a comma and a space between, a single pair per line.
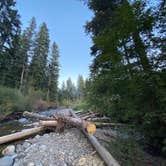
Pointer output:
11, 100
53, 74
9, 42
128, 152
25, 50
37, 73
81, 105
128, 70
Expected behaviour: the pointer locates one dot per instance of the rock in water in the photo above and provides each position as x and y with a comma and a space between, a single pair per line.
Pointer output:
6, 161
9, 150
23, 120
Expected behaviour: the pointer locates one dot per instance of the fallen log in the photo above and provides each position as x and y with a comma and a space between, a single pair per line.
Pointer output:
100, 124
91, 115
36, 116
19, 135
100, 119
78, 122
105, 155
48, 123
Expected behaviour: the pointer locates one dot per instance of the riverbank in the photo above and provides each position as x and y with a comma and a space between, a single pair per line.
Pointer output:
74, 148
54, 149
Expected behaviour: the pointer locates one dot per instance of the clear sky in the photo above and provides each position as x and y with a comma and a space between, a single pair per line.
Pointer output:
65, 20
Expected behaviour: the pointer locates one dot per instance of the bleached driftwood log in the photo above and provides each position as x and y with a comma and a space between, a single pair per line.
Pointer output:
19, 135
50, 123
61, 118
36, 116
105, 155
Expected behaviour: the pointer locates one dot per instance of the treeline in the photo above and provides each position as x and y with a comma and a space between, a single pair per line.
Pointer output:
128, 73
28, 62
73, 95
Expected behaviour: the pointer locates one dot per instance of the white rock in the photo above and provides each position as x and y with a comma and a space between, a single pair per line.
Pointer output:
37, 137
43, 147
31, 164
9, 150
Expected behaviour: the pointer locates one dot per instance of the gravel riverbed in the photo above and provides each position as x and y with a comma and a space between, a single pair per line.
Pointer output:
70, 148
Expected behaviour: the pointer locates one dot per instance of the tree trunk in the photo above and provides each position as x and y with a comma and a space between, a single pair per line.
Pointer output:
140, 50
22, 78
105, 155
19, 135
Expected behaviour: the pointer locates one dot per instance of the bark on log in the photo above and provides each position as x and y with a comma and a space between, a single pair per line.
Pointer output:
36, 116
105, 155
19, 135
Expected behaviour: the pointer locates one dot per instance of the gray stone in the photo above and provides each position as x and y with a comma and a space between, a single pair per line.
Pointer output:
6, 161
43, 147
23, 120
26, 145
31, 164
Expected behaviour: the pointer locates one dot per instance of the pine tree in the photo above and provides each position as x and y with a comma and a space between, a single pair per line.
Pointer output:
70, 88
80, 87
125, 82
52, 93
9, 42
38, 66
26, 46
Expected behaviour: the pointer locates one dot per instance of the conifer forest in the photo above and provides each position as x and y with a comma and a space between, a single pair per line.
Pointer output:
127, 74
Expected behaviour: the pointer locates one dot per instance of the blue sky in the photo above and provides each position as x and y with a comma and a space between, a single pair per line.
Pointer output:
65, 20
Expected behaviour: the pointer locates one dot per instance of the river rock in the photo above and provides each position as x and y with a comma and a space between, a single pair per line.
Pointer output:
9, 150
23, 120
26, 145
6, 161
31, 164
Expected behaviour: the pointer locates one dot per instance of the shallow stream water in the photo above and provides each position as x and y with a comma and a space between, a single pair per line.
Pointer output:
13, 126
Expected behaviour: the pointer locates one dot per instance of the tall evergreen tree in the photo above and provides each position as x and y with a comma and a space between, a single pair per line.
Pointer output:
38, 66
80, 87
70, 88
9, 42
26, 47
123, 75
52, 93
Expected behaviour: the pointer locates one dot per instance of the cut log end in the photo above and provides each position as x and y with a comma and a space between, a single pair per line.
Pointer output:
91, 128
48, 123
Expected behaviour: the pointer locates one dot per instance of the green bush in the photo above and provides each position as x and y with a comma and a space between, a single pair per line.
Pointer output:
34, 100
81, 105
12, 100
